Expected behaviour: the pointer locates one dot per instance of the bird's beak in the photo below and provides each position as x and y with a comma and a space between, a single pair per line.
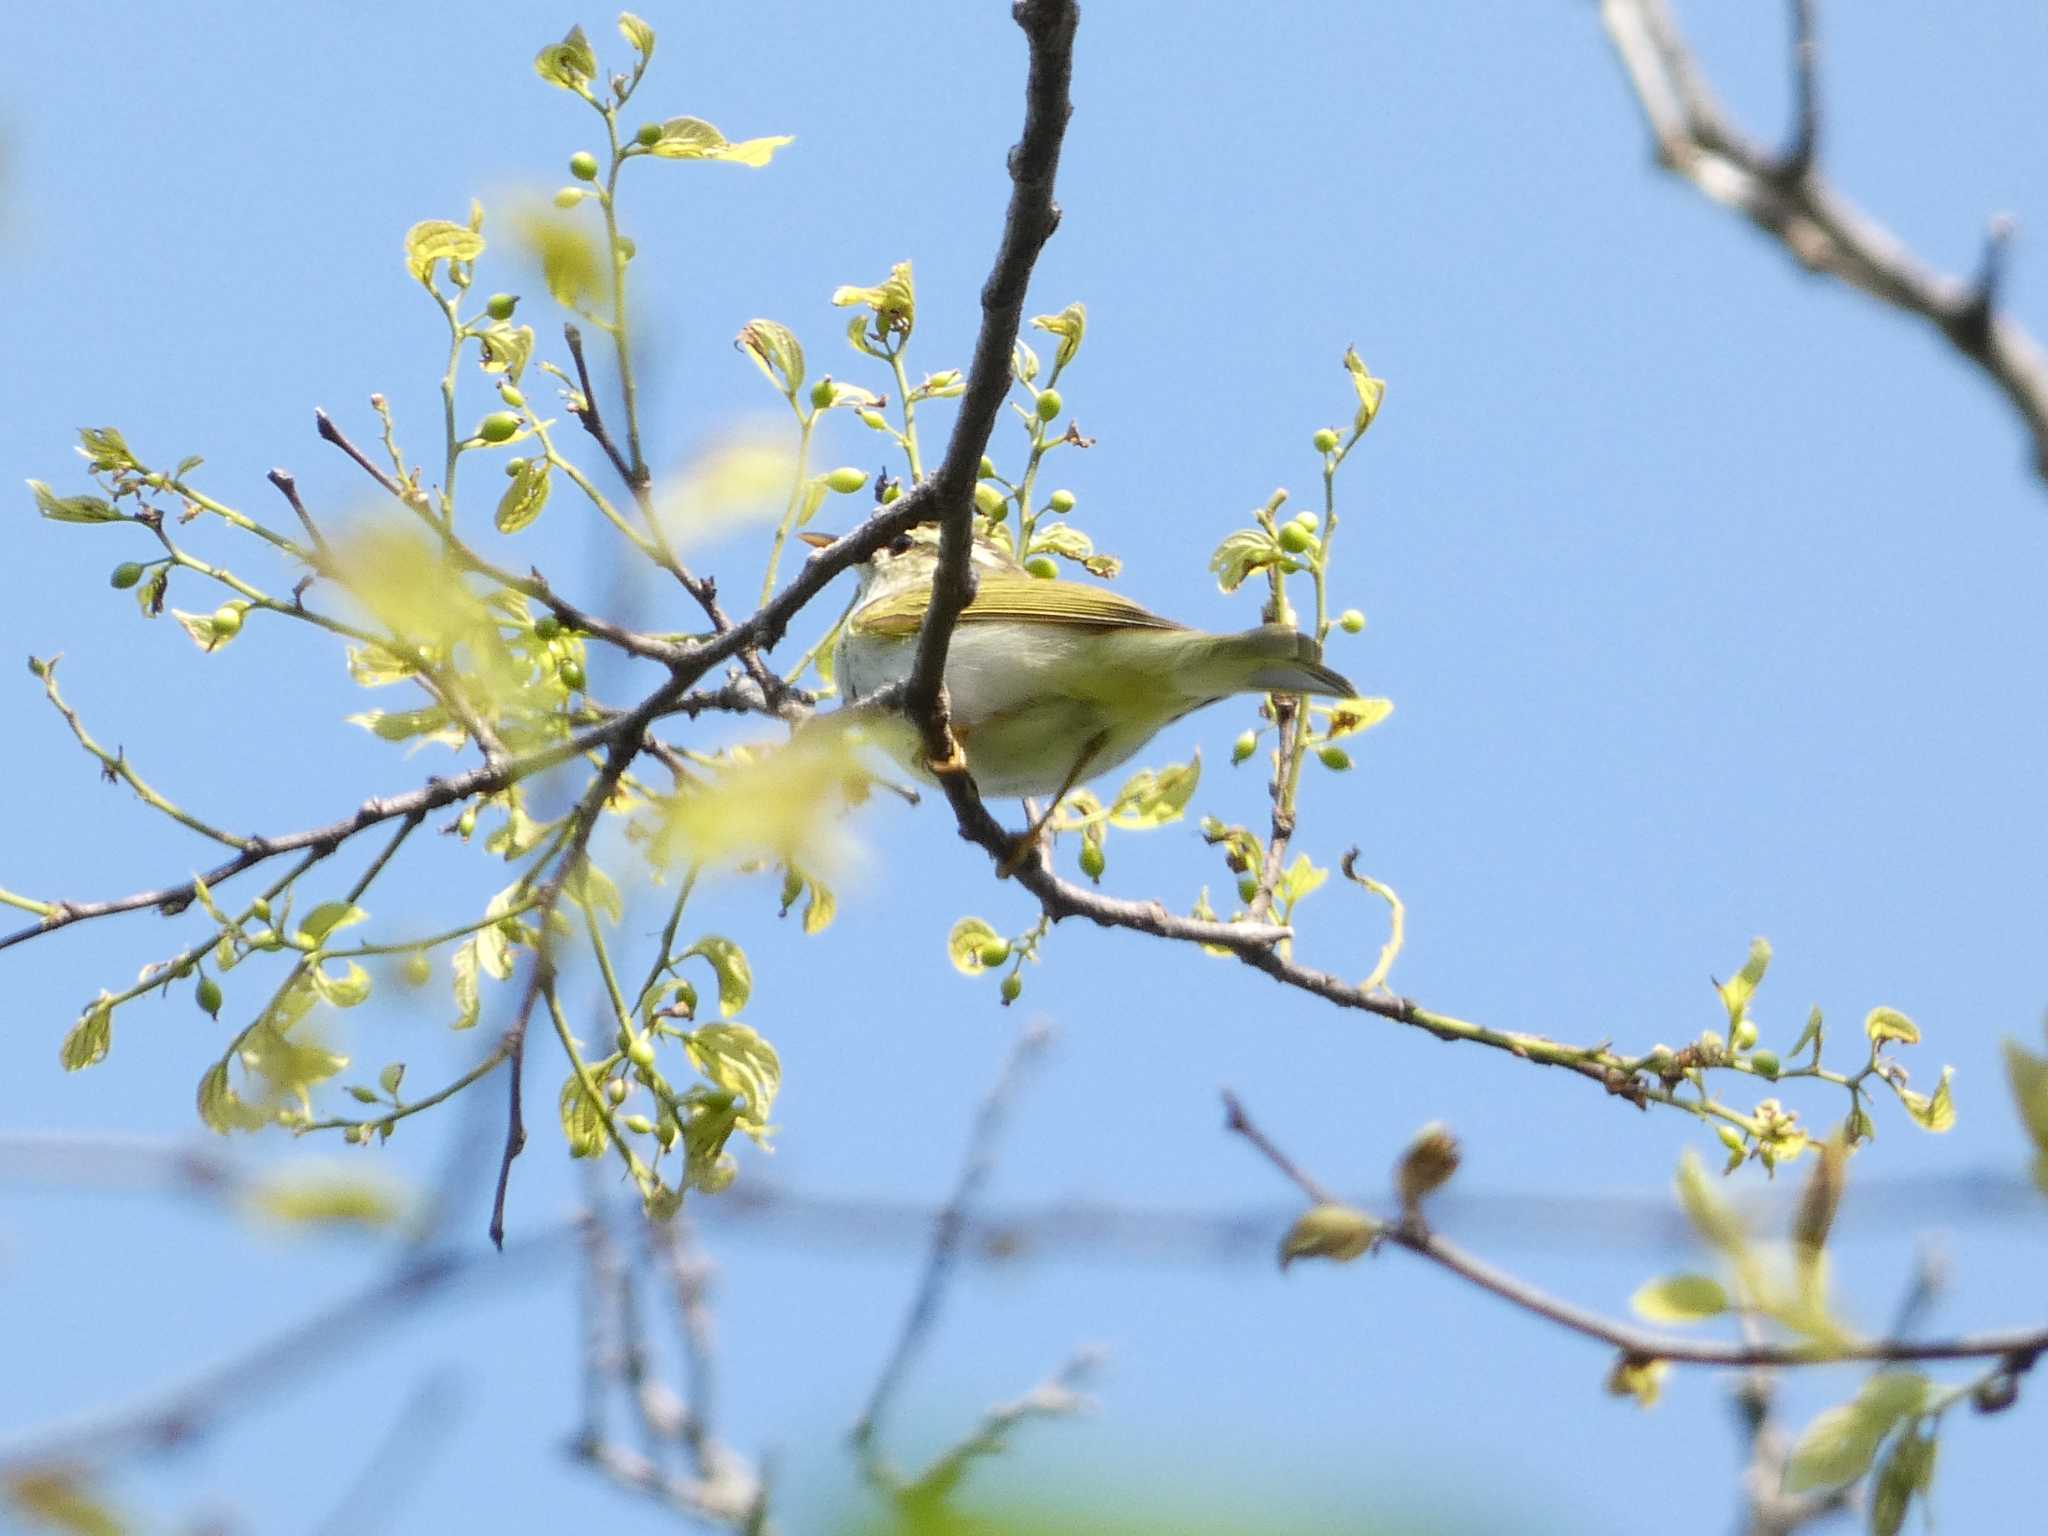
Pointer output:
818, 540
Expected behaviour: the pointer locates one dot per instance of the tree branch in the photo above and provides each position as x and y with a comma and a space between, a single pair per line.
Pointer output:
1785, 197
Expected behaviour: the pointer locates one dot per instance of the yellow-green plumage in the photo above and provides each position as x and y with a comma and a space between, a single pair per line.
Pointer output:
1055, 681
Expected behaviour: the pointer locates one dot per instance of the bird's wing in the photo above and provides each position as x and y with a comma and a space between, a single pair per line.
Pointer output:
1019, 597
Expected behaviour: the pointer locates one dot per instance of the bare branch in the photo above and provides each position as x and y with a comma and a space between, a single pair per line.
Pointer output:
1786, 198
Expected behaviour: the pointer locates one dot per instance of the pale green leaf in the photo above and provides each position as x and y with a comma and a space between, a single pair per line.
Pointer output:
1243, 552
1707, 1209
1152, 799
345, 990
1680, 1299
1350, 716
371, 665
330, 917
104, 450
739, 1061
2027, 1074
1889, 1024
570, 64
467, 1003
505, 348
433, 240
735, 977
776, 352
1370, 390
1931, 1112
637, 33
582, 1124
525, 497
1907, 1469
594, 890
1738, 990
87, 1042
326, 1198
1837, 1447
965, 943
691, 138
1070, 325
72, 509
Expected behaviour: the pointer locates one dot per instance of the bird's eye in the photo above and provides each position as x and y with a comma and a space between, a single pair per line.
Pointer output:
900, 545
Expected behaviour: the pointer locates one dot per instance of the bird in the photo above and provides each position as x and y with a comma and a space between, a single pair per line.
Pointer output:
1052, 682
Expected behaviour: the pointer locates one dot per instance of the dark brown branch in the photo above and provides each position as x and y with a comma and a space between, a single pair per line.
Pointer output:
1028, 223
1799, 154
1786, 198
2018, 1346
289, 489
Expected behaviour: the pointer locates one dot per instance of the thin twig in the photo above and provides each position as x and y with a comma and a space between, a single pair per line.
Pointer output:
1786, 198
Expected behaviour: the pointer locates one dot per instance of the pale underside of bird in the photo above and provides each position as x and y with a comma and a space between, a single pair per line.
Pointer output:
1052, 682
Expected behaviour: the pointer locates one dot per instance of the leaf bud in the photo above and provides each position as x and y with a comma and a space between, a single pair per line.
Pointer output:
1061, 502
571, 674
419, 969
583, 165
499, 306
616, 1090
1432, 1157
1042, 566
1334, 758
126, 574
1743, 1035
1244, 746
466, 822
821, 394
641, 1053
1351, 621
261, 908
872, 419
846, 480
627, 248
546, 627
1325, 440
514, 467
1049, 404
497, 427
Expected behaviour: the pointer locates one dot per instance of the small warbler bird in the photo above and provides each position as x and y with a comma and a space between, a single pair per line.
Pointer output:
1053, 682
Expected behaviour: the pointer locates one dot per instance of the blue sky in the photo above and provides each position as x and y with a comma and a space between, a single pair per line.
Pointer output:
1708, 594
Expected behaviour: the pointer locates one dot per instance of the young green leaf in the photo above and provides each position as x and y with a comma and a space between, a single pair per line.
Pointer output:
739, 1061
72, 509
329, 917
691, 138
87, 1042
1350, 716
1369, 389
1243, 552
1070, 325
965, 943
434, 240
1152, 798
1931, 1112
638, 34
776, 352
1680, 1299
1709, 1212
1739, 989
569, 64
735, 978
1837, 1447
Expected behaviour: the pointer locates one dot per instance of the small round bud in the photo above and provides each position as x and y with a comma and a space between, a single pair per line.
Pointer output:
627, 248
1244, 746
1730, 1138
513, 467
639, 1125
873, 420
845, 480
1334, 758
821, 394
1049, 404
988, 501
648, 134
1307, 519
1013, 987
126, 574
1061, 502
1092, 861
571, 673
1042, 566
890, 492
994, 953
207, 995
667, 1132
641, 1053
1247, 888
615, 1089
1351, 621
622, 1039
1325, 440
546, 627
511, 396
497, 427
988, 467
260, 908
583, 165
419, 968
1743, 1036
568, 197
466, 822
1766, 1064
227, 621
1295, 539
499, 306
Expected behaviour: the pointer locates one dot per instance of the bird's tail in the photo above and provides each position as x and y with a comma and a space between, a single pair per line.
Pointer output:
1283, 660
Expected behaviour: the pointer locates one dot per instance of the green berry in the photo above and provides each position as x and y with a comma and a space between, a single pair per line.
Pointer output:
988, 501
1042, 566
497, 427
1092, 861
126, 574
511, 396
227, 621
568, 197
1307, 519
261, 908
1336, 759
873, 420
988, 467
639, 1125
546, 627
641, 1053
1049, 404
1061, 502
466, 822
514, 466
821, 394
583, 165
1295, 539
1325, 440
208, 996
1013, 985
1244, 746
1247, 888
994, 953
499, 306
649, 134
627, 248
1766, 1063
571, 673
890, 491
616, 1090
845, 480
1743, 1036
1351, 621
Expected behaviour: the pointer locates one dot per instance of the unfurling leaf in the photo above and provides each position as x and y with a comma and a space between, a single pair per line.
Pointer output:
637, 33
329, 917
1153, 798
72, 509
570, 64
1890, 1024
1243, 552
1837, 1447
1740, 988
2027, 1074
345, 990
433, 240
87, 1042
691, 138
1370, 390
1931, 1112
1820, 1199
970, 936
1335, 1232
525, 497
505, 349
892, 302
1432, 1157
735, 978
1350, 716
1680, 1299
1070, 325
1709, 1212
1641, 1379
1907, 1469
105, 450
776, 352
582, 1123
